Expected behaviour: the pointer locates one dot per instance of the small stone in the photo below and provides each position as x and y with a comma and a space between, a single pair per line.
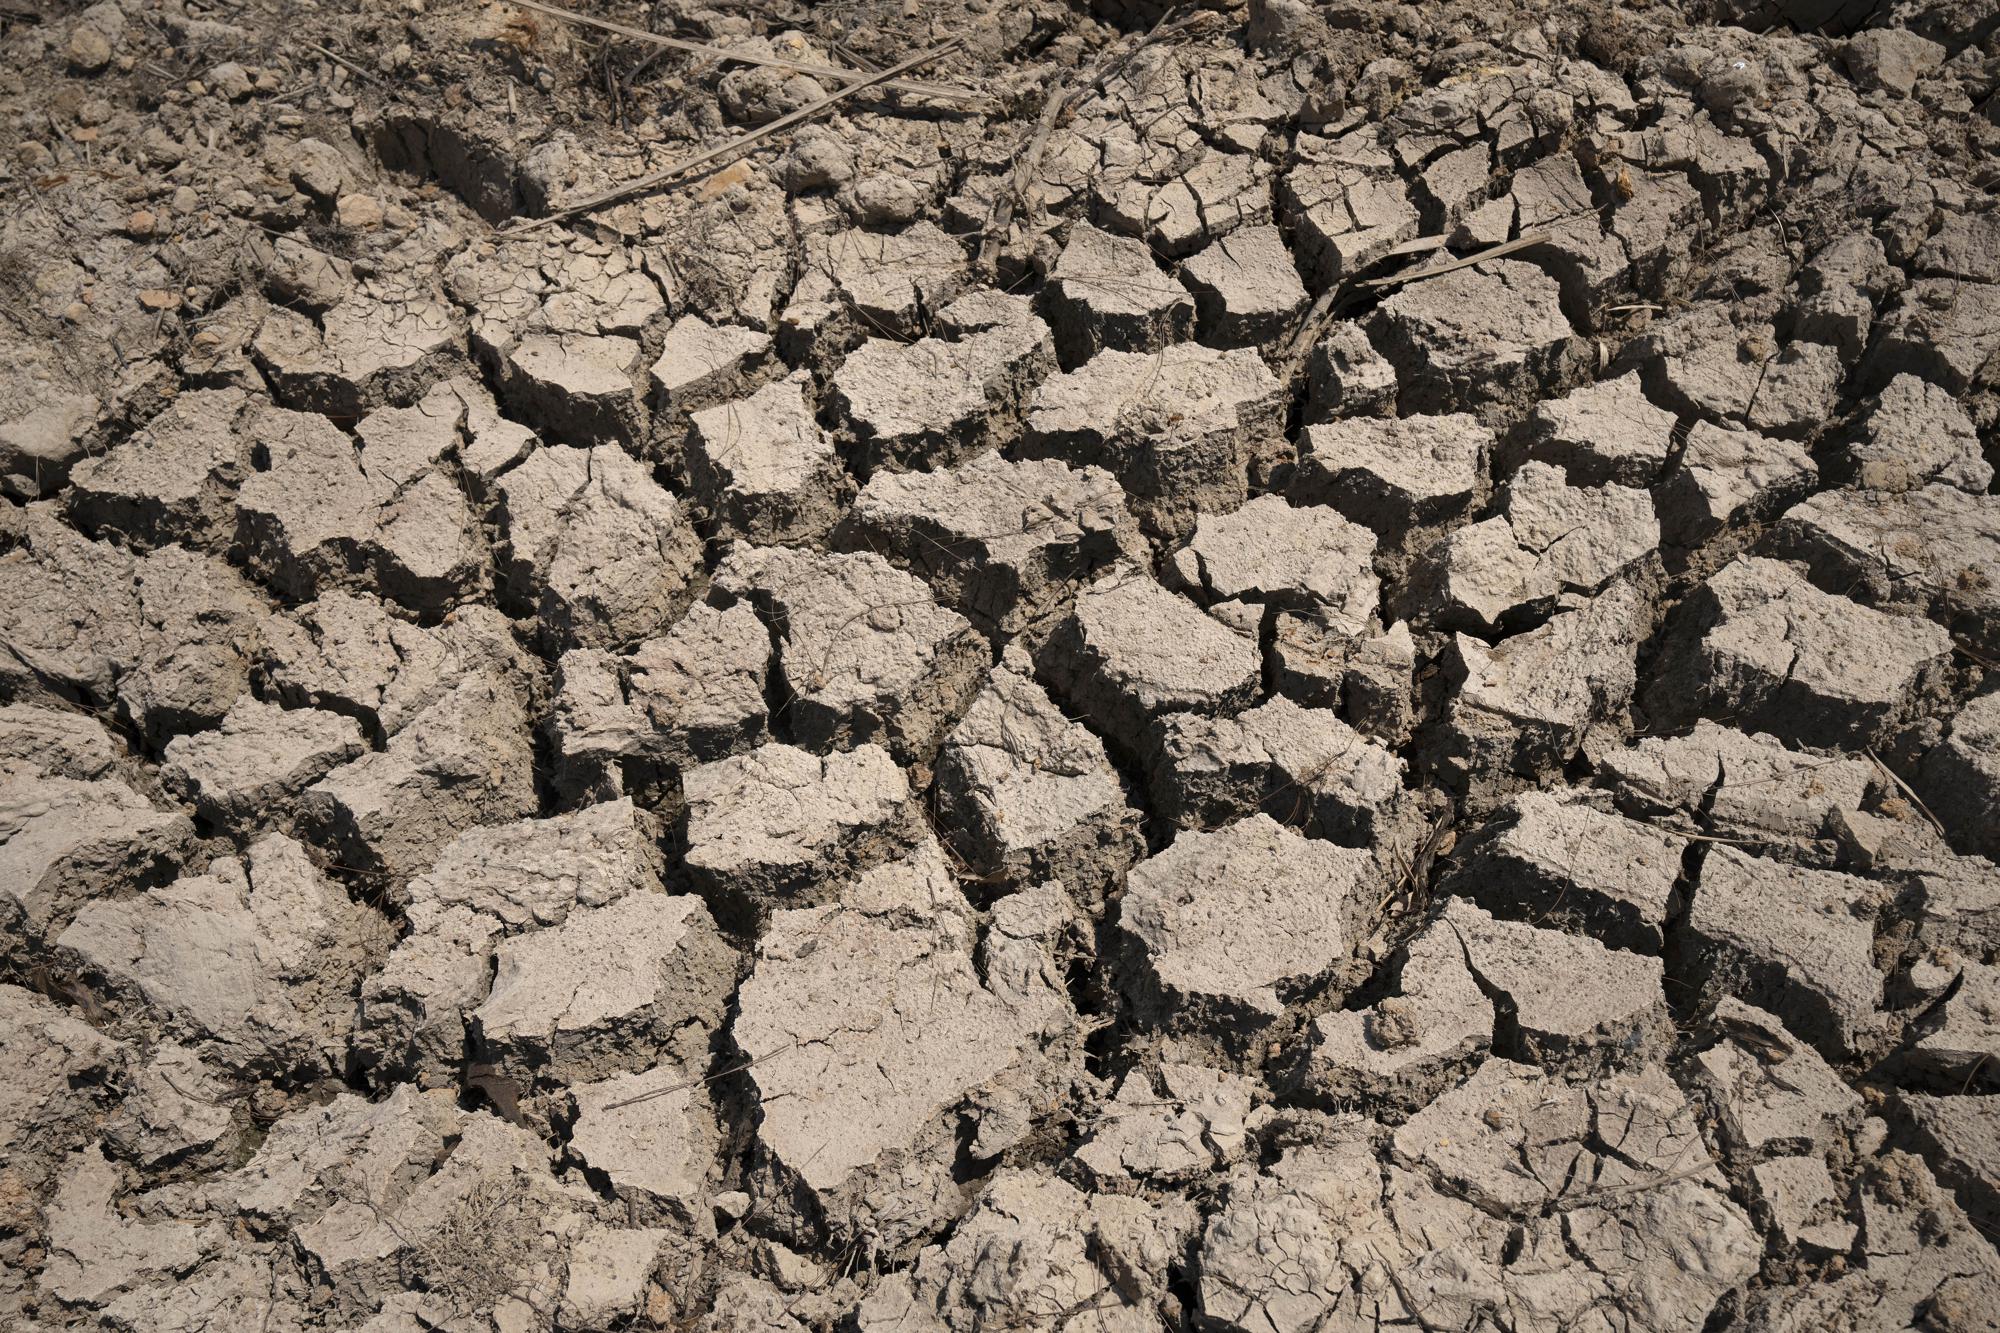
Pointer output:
362, 212
232, 81
89, 50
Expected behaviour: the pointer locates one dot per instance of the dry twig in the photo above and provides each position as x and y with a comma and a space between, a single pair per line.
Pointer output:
631, 189
1521, 242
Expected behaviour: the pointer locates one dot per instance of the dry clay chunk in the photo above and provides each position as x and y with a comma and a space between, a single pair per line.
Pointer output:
700, 688
325, 511
1108, 1253
1406, 1047
1645, 1225
1960, 778
1568, 865
348, 654
869, 1023
611, 990
1912, 434
1302, 766
1583, 535
695, 694
1392, 473
597, 550
55, 743
1935, 550
1231, 926
1107, 291
174, 480
865, 653
1481, 336
764, 468
1005, 542
1246, 288
1567, 1003
69, 841
1919, 1253
55, 1055
489, 883
1726, 476
166, 637
1960, 1137
700, 362
1028, 795
1346, 205
856, 281
1738, 786
251, 766
1775, 1096
940, 399
1761, 645
465, 760
1796, 941
578, 387
781, 822
1270, 553
1195, 1121
1131, 650
1181, 428
1604, 432
653, 1135
257, 959
1369, 678
534, 872
1524, 705
372, 347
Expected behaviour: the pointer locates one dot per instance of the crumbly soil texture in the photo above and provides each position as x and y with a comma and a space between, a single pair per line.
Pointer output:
937, 666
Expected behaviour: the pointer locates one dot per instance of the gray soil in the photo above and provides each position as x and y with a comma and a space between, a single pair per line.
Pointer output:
1265, 666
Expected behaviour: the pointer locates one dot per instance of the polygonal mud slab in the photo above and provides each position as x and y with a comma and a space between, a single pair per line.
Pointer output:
865, 655
1131, 650
1027, 795
869, 1025
1005, 542
1229, 927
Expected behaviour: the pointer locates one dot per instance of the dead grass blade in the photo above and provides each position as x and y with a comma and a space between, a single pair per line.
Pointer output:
1910, 792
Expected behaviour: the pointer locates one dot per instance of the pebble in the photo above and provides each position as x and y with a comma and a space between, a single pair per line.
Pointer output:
363, 212
89, 50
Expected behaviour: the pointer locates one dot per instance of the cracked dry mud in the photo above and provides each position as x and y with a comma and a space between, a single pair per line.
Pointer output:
1267, 666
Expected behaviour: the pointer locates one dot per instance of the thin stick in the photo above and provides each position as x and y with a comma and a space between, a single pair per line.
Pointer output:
1532, 238
697, 1082
1910, 792
946, 92
342, 60
620, 193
